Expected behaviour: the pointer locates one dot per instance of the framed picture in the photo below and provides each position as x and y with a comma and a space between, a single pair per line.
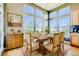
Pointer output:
14, 20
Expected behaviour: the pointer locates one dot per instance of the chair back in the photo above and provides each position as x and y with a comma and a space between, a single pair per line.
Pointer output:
35, 33
62, 37
56, 39
42, 33
27, 38
33, 41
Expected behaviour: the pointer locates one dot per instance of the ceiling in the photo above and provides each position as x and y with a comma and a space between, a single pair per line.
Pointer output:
49, 6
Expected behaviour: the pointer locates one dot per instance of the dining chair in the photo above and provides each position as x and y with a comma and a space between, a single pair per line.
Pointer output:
51, 34
62, 43
32, 44
53, 47
42, 33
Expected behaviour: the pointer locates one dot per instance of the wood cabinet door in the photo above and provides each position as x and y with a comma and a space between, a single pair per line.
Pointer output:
10, 41
75, 17
21, 40
14, 41
75, 39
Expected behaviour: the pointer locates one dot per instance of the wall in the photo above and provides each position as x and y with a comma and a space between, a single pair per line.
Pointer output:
15, 8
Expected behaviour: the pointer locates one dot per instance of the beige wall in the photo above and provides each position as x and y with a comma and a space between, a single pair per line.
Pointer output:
15, 8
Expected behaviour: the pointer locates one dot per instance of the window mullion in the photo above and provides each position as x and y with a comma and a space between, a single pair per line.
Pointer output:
34, 20
57, 22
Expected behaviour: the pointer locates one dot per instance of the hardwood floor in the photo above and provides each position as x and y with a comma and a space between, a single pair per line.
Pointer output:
68, 51
73, 51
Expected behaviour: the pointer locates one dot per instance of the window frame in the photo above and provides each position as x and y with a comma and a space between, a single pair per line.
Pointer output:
58, 18
36, 16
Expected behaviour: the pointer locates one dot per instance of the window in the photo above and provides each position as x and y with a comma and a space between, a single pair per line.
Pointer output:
39, 13
38, 24
40, 20
64, 26
54, 14
60, 21
44, 25
66, 30
28, 23
28, 9
53, 22
34, 19
1, 28
0, 31
64, 21
64, 11
53, 25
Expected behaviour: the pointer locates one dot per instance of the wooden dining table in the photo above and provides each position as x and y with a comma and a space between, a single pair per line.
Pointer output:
41, 39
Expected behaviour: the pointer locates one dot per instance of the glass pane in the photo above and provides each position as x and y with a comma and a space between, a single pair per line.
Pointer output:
45, 24
28, 9
39, 13
67, 32
53, 14
64, 21
64, 11
0, 31
45, 16
28, 23
0, 9
0, 41
53, 29
1, 27
53, 25
38, 24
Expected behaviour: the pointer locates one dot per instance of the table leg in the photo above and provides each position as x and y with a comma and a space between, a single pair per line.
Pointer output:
41, 48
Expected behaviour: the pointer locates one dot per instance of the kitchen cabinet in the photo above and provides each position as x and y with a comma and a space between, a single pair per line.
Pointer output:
14, 41
75, 17
74, 39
